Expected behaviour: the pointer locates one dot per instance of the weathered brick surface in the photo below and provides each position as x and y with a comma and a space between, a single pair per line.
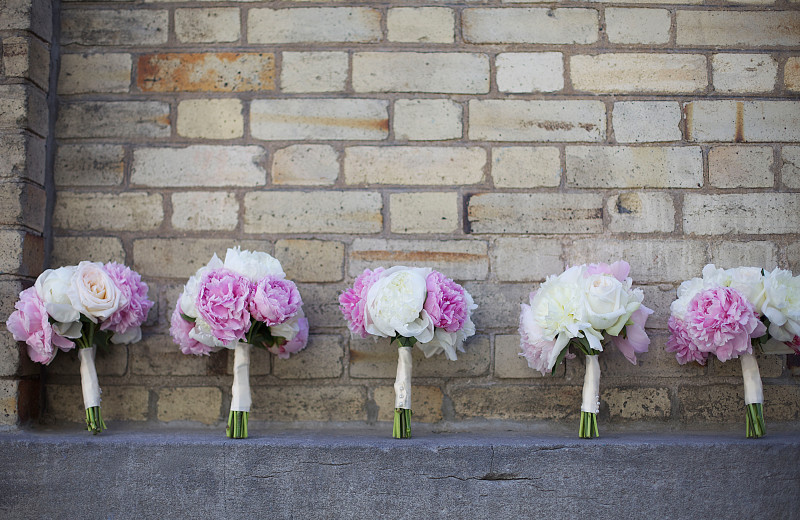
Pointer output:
26, 57
526, 167
634, 25
426, 402
424, 212
23, 107
198, 404
72, 250
637, 403
535, 213
197, 210
639, 72
646, 121
641, 212
122, 119
421, 24
449, 73
530, 72
210, 119
731, 254
743, 121
119, 403
301, 119
311, 260
526, 402
84, 73
181, 258
135, 211
306, 165
744, 72
89, 165
342, 24
213, 25
309, 403
458, 259
654, 167
738, 29
752, 213
508, 364
21, 204
530, 25
740, 167
22, 156
791, 73
313, 71
427, 119
525, 259
199, 165
321, 359
790, 172
517, 120
418, 165
206, 72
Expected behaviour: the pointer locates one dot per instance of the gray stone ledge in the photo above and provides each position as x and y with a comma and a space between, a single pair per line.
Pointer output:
363, 473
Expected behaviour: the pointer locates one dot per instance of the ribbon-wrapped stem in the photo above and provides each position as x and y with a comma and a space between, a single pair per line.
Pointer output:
402, 395
240, 398
753, 397
590, 405
91, 390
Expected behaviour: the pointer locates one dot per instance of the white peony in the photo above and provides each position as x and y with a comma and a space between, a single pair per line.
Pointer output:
202, 333
608, 303
714, 276
289, 328
750, 282
52, 287
93, 293
192, 289
394, 305
686, 292
782, 304
252, 265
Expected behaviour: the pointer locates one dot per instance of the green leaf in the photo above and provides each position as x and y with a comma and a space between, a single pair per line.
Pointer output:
187, 318
404, 341
560, 358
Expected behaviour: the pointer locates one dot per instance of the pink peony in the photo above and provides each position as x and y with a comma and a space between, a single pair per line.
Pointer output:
30, 323
445, 302
274, 300
222, 303
353, 300
681, 343
535, 348
619, 269
635, 340
134, 290
296, 344
179, 330
721, 321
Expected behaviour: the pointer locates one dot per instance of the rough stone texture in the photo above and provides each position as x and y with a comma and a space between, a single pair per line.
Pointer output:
530, 25
641, 212
639, 72
426, 212
790, 172
214, 25
27, 57
458, 259
189, 404
23, 107
752, 213
508, 363
199, 165
119, 403
321, 359
198, 210
427, 119
134, 211
634, 26
311, 260
302, 119
741, 167
417, 165
734, 254
181, 258
426, 402
743, 121
72, 250
89, 165
84, 73
743, 72
638, 403
525, 259
535, 213
448, 73
526, 167
530, 72
737, 29
517, 120
342, 24
22, 155
646, 121
421, 25
206, 72
309, 403
791, 74
210, 118
314, 71
305, 165
114, 27
634, 167
122, 119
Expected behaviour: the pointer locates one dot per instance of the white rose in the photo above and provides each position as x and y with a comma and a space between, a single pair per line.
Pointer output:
53, 287
750, 282
289, 328
192, 288
686, 292
608, 303
253, 265
394, 305
94, 293
782, 304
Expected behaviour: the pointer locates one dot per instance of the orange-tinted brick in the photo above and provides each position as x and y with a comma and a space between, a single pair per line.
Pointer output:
206, 72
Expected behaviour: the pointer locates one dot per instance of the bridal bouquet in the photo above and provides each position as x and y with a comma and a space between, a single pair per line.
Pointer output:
729, 311
585, 307
413, 307
92, 304
242, 302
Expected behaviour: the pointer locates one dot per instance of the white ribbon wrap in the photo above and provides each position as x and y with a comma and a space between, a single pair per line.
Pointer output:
591, 386
240, 400
89, 384
402, 384
753, 392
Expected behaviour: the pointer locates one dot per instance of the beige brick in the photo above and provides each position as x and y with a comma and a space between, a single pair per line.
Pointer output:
23, 107
210, 118
311, 260
206, 72
744, 72
646, 121
108, 362
414, 165
659, 298
158, 355
214, 25
790, 171
199, 165
711, 403
309, 403
503, 312
656, 363
421, 25
119, 403
639, 72
652, 260
793, 256
634, 167
769, 365
550, 403
321, 303
633, 25
305, 165
738, 29
89, 165
426, 402
341, 24
521, 72
322, 358
535, 213
22, 204
197, 404
181, 258
85, 73
427, 119
317, 212
26, 57
752, 252
780, 402
641, 212
740, 167
449, 73
133, 211
9, 409
526, 167
376, 358
508, 363
791, 73
314, 71
769, 121
637, 403
303, 119
108, 27
523, 120
750, 213
72, 250
526, 259
426, 212
22, 156
124, 119
204, 210
530, 25
21, 253
458, 259
260, 362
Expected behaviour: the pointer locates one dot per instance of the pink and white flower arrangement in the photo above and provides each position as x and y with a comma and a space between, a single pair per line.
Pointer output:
242, 302
85, 305
585, 307
413, 306
729, 311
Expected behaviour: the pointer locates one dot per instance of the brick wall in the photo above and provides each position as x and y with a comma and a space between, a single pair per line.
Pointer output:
496, 142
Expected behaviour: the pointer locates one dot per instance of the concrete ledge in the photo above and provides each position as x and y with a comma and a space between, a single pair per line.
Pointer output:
282, 473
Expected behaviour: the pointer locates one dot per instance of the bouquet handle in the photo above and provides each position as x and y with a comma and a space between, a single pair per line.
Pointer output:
240, 398
590, 405
91, 390
402, 395
753, 397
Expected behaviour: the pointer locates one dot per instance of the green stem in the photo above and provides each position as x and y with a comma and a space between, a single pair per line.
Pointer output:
402, 423
754, 421
94, 420
588, 426
237, 425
